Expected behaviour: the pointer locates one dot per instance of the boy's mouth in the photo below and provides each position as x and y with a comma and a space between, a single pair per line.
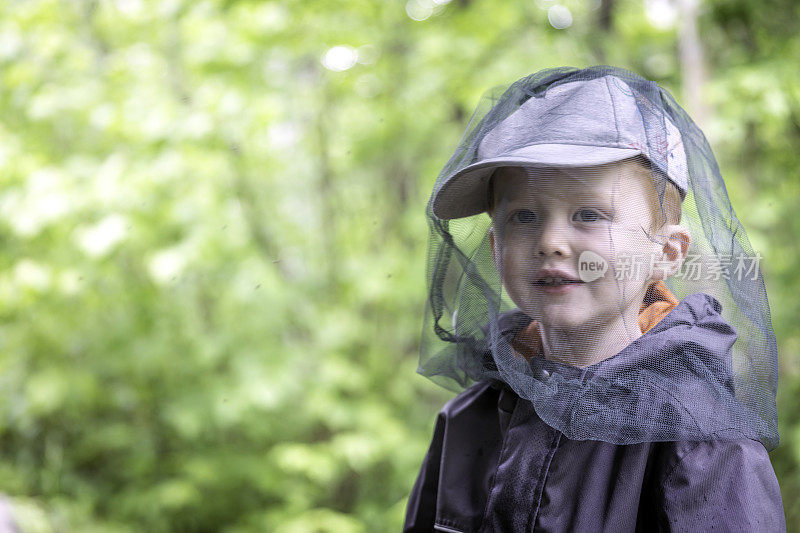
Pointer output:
554, 277
554, 281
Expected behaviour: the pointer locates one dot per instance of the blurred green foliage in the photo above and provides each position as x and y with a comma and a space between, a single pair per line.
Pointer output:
212, 278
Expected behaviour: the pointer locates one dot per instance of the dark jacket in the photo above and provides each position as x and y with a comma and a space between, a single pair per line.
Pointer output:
494, 465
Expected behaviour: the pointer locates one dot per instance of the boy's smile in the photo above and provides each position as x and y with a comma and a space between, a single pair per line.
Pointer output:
554, 281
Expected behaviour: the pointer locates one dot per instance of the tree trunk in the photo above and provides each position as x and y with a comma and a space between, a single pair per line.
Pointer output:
692, 60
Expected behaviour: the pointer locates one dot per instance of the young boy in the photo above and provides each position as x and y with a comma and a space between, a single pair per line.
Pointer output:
599, 401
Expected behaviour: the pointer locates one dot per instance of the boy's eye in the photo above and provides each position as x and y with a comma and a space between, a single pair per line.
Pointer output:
523, 216
587, 215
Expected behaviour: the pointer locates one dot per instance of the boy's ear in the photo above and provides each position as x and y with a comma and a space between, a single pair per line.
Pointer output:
674, 250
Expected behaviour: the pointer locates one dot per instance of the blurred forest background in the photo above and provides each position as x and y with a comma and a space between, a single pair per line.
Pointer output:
212, 216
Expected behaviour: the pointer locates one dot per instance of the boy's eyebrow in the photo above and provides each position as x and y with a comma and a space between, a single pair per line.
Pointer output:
591, 195
585, 195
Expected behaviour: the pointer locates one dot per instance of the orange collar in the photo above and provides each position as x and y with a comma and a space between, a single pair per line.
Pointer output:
658, 302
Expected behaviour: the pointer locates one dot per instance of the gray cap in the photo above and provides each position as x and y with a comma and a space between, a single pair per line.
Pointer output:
575, 124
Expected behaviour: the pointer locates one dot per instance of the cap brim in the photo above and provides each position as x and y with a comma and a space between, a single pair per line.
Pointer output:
465, 193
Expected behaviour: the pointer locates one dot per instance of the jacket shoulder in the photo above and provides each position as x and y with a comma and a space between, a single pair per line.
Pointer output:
453, 472
476, 397
722, 482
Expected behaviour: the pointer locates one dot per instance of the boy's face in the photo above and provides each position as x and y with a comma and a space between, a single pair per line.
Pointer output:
546, 218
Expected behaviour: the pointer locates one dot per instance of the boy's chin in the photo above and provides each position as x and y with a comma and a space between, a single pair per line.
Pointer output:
569, 318
561, 318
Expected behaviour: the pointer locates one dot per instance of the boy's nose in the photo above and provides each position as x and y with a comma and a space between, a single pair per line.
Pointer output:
553, 242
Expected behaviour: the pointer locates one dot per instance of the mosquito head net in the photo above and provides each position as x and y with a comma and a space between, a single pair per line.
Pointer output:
583, 251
